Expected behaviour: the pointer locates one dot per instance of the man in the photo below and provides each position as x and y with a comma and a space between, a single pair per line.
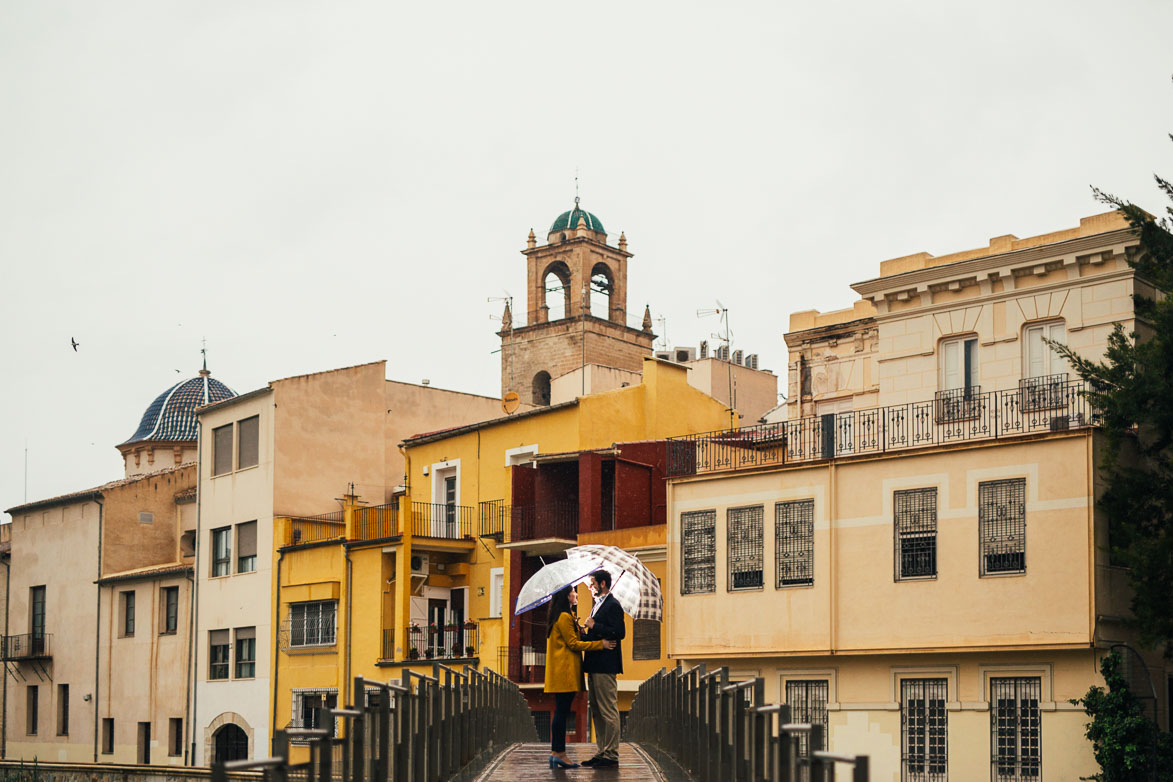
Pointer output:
605, 624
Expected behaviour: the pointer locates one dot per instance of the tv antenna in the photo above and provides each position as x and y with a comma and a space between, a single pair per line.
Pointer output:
725, 335
508, 299
662, 327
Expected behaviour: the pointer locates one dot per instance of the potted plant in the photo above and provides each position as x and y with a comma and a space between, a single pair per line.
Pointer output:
413, 653
470, 625
470, 652
429, 653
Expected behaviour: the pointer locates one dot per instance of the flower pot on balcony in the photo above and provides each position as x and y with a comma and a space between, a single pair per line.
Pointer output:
413, 653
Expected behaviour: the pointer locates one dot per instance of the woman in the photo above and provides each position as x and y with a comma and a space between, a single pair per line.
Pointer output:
564, 651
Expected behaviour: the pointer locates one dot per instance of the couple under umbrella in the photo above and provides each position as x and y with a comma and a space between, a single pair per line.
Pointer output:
594, 645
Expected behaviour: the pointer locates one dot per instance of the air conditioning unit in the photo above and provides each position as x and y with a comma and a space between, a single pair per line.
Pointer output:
723, 353
685, 354
751, 361
704, 348
420, 566
664, 355
737, 354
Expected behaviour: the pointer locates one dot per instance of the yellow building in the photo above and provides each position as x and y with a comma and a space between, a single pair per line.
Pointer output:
913, 557
430, 577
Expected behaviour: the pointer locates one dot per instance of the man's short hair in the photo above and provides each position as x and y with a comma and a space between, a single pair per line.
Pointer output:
602, 577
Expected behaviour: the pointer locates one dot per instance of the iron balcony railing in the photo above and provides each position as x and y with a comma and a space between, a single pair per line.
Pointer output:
716, 729
493, 516
315, 529
449, 725
439, 520
376, 522
1046, 406
452, 642
555, 519
28, 646
523, 664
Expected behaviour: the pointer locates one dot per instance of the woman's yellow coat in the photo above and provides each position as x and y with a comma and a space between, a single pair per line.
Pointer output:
564, 656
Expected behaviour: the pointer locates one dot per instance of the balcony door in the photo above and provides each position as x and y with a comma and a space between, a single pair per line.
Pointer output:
37, 619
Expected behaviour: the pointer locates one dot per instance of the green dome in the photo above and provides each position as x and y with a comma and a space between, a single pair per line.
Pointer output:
568, 221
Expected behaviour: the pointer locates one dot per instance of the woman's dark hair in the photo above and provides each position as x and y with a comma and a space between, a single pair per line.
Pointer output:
559, 605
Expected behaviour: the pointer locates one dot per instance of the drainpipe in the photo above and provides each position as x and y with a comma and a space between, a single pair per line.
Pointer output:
190, 642
97, 632
349, 605
276, 652
193, 653
4, 696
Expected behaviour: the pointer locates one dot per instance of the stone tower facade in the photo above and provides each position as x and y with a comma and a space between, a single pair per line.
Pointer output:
576, 252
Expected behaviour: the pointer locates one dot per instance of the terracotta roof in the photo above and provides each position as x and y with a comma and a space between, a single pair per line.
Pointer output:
440, 434
146, 573
89, 494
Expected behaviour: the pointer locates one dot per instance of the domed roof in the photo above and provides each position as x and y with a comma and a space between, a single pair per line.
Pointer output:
568, 221
172, 415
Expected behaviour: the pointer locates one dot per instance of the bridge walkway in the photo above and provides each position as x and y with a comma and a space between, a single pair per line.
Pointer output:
527, 762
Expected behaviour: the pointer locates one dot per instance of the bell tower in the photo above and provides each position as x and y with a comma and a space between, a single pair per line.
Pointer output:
576, 309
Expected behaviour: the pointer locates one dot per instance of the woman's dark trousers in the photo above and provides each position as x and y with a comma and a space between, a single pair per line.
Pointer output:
563, 701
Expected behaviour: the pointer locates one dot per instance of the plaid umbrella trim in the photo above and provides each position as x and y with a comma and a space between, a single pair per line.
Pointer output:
635, 587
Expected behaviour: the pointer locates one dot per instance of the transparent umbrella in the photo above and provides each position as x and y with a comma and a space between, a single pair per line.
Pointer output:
635, 587
546, 582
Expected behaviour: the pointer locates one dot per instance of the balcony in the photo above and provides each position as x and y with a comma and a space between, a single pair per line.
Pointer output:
524, 665
450, 642
315, 529
438, 520
30, 646
1036, 406
376, 522
542, 528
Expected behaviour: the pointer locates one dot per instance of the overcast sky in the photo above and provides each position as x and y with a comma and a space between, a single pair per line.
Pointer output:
315, 185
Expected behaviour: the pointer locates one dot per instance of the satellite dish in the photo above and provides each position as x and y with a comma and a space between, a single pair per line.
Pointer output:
510, 402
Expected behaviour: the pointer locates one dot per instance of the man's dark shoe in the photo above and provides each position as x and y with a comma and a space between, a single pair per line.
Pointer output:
590, 762
604, 763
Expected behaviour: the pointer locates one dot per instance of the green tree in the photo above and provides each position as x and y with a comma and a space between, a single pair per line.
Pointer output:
1133, 389
1127, 744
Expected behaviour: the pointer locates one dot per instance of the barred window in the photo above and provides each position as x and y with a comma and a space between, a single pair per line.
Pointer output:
745, 541
924, 737
808, 703
312, 624
1015, 734
794, 543
645, 644
1002, 526
916, 533
311, 710
698, 552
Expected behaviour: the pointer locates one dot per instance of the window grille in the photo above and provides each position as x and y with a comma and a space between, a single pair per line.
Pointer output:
808, 703
794, 543
916, 533
745, 547
645, 644
1002, 526
312, 624
311, 710
1015, 729
924, 736
698, 552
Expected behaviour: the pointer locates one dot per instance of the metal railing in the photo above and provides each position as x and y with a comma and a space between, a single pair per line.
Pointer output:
376, 522
556, 519
314, 529
28, 646
450, 641
720, 730
524, 664
1047, 406
421, 729
439, 520
494, 519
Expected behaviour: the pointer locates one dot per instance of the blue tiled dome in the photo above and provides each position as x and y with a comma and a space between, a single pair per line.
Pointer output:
172, 415
568, 221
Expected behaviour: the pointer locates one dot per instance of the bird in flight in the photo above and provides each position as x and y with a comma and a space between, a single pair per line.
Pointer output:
75, 343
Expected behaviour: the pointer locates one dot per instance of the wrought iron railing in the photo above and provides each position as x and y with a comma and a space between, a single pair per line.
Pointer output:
436, 643
523, 664
715, 729
314, 529
1043, 393
439, 520
556, 519
445, 726
28, 646
376, 522
990, 415
494, 518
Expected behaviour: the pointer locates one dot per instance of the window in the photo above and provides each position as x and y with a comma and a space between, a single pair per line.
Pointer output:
794, 543
107, 735
745, 547
916, 533
1015, 735
645, 644
221, 551
175, 736
37, 614
1002, 526
222, 450
246, 547
218, 654
248, 439
808, 703
311, 709
144, 742
496, 589
62, 709
169, 621
146, 517
959, 366
698, 552
1041, 359
31, 709
923, 730
312, 624
126, 611
246, 652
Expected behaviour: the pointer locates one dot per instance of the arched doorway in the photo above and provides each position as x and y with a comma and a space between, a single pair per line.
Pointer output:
230, 743
541, 389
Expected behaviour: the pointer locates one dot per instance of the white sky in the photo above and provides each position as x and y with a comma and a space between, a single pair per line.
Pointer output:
315, 185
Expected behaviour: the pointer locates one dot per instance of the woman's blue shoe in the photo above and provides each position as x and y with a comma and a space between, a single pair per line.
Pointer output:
560, 763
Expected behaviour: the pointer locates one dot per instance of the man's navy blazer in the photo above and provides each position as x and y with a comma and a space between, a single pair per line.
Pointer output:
609, 626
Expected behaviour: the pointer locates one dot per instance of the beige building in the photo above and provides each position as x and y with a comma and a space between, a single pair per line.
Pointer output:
287, 449
917, 542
